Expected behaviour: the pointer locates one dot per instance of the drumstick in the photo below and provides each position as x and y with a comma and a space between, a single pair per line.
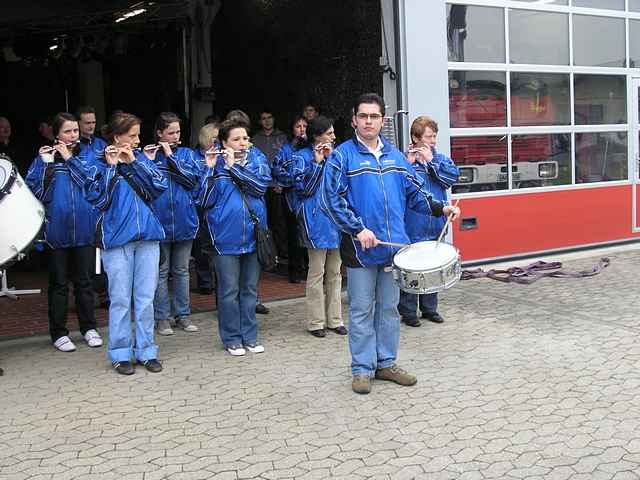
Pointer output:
394, 244
444, 229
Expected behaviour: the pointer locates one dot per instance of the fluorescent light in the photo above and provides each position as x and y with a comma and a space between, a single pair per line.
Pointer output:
130, 14
53, 47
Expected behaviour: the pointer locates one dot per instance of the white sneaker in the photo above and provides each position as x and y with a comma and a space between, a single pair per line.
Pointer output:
236, 350
185, 324
255, 348
164, 327
64, 344
93, 338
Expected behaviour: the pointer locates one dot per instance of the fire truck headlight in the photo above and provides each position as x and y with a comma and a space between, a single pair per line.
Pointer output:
466, 175
548, 170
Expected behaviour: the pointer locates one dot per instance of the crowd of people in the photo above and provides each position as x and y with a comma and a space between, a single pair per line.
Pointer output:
149, 209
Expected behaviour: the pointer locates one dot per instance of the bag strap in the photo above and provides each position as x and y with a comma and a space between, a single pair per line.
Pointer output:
252, 213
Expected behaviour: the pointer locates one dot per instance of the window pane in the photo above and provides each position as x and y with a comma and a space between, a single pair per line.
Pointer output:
634, 43
541, 160
598, 41
477, 99
475, 34
634, 5
538, 37
482, 162
540, 99
601, 157
604, 4
548, 2
600, 99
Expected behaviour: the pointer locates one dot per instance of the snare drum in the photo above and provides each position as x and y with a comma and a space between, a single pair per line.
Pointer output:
423, 268
21, 214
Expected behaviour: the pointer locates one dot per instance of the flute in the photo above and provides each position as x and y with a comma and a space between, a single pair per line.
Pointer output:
156, 146
51, 149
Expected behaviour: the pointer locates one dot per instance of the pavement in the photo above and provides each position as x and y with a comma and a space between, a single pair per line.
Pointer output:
520, 382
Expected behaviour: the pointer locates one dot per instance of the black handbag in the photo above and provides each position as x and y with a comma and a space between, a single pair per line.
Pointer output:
265, 245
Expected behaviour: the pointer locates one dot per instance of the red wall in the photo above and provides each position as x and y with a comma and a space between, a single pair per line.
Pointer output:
522, 223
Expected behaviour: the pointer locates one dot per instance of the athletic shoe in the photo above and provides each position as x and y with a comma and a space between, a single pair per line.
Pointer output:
185, 324
93, 338
254, 348
236, 350
64, 344
164, 327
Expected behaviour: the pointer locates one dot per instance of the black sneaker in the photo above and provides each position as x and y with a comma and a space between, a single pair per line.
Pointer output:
153, 365
341, 330
261, 309
433, 317
124, 368
321, 333
411, 321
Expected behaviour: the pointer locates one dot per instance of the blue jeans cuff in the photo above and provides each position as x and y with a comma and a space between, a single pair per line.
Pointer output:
120, 354
149, 353
386, 364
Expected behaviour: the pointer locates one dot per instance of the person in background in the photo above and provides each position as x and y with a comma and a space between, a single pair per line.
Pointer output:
69, 231
310, 111
121, 184
282, 172
86, 116
438, 173
176, 210
320, 235
237, 179
201, 249
45, 133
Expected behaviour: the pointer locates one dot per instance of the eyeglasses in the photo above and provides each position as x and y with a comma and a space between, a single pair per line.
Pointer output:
369, 116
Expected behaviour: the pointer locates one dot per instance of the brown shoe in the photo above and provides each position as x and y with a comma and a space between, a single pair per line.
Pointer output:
397, 375
361, 384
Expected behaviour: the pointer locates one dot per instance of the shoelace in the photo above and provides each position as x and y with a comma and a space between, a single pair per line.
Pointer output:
396, 369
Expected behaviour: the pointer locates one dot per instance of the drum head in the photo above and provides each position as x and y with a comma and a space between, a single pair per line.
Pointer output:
425, 256
5, 171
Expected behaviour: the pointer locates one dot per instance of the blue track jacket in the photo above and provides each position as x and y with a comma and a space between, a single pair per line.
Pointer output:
70, 219
361, 191
282, 172
176, 207
124, 204
225, 213
319, 230
438, 176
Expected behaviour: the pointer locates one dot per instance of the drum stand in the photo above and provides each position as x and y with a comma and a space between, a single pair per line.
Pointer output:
12, 293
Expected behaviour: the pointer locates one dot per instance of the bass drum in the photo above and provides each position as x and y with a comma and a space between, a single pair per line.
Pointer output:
21, 214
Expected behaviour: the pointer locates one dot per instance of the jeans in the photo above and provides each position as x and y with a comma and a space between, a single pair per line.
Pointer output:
324, 285
374, 322
133, 275
174, 255
237, 277
75, 264
408, 304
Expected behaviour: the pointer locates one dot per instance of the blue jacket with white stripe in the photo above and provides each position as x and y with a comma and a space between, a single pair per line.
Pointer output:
225, 213
438, 176
95, 144
319, 230
176, 207
361, 191
122, 194
70, 219
282, 172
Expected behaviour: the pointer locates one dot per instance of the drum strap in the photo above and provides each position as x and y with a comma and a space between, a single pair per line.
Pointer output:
6, 188
534, 272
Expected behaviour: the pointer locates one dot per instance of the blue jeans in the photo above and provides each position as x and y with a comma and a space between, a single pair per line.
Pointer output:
237, 277
408, 305
174, 255
374, 323
133, 275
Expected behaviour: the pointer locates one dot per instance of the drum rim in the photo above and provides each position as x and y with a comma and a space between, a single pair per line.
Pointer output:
7, 263
11, 180
455, 259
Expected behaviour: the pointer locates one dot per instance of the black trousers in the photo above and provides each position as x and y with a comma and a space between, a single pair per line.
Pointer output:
75, 265
298, 262
276, 218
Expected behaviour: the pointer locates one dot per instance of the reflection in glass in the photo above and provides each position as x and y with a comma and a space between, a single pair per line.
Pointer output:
541, 160
634, 43
482, 162
600, 99
475, 34
601, 157
477, 99
598, 41
538, 37
634, 5
604, 4
540, 99
547, 2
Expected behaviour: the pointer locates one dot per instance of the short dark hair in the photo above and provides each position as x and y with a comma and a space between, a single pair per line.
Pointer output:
369, 98
84, 109
213, 118
317, 126
227, 126
163, 121
58, 121
239, 116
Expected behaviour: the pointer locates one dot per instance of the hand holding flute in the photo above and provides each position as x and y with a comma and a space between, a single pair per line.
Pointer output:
64, 149
322, 151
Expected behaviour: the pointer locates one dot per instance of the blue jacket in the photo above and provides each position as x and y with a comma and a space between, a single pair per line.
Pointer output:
96, 144
318, 230
225, 213
361, 191
438, 176
282, 172
125, 213
175, 207
70, 219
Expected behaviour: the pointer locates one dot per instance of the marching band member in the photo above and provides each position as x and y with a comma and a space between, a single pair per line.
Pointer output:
86, 116
439, 173
69, 230
176, 210
237, 179
282, 172
122, 184
367, 187
320, 235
